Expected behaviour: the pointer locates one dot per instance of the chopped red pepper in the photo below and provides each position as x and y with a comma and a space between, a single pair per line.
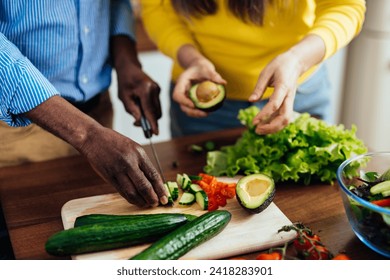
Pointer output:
382, 202
218, 192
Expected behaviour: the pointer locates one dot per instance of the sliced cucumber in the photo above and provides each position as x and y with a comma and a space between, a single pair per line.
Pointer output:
186, 183
179, 180
173, 189
195, 177
380, 187
194, 188
202, 199
386, 193
169, 196
187, 199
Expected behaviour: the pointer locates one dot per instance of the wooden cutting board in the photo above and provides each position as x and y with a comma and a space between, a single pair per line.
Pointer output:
245, 233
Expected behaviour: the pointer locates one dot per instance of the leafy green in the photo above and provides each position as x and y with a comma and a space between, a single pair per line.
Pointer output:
306, 150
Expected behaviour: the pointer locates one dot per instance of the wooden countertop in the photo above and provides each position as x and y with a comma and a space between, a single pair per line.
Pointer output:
32, 196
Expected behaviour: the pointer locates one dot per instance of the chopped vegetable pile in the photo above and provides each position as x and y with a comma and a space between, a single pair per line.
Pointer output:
306, 150
217, 192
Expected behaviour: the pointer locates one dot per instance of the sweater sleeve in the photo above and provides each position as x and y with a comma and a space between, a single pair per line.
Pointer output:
165, 28
338, 22
23, 87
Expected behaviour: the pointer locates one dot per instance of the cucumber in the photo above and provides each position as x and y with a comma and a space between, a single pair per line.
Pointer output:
179, 180
195, 177
173, 189
187, 199
113, 234
101, 218
183, 239
202, 199
380, 187
186, 182
194, 188
169, 196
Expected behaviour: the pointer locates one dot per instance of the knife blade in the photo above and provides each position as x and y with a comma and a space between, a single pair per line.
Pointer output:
147, 129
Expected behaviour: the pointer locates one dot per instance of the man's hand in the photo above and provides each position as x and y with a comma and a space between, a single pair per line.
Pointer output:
116, 158
125, 165
134, 84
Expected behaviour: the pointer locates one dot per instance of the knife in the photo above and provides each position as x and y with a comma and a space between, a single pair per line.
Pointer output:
147, 129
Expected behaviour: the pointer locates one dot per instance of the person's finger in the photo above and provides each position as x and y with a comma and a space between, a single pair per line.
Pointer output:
179, 92
144, 188
273, 105
149, 108
195, 113
155, 181
261, 85
132, 107
217, 78
279, 119
126, 188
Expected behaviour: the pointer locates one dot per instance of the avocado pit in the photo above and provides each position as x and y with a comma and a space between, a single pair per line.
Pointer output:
207, 96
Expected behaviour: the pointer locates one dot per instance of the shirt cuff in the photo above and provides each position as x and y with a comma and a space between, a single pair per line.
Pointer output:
122, 20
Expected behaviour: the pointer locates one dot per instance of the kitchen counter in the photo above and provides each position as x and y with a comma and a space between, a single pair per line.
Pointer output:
32, 196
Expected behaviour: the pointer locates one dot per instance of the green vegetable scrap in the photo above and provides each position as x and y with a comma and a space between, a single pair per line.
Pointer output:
306, 150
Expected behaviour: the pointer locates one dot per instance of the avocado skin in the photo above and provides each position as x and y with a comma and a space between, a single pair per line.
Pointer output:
211, 108
262, 207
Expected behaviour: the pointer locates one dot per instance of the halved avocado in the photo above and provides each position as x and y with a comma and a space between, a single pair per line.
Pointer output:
207, 96
255, 192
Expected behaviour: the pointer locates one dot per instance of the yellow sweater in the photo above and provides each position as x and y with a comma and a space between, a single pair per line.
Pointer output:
241, 50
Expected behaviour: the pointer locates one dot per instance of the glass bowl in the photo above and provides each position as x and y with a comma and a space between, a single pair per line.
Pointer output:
370, 223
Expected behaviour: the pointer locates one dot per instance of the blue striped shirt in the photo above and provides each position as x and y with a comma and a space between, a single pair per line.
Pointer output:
51, 47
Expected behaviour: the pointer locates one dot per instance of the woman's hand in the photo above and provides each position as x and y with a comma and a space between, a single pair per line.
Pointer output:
282, 73
198, 69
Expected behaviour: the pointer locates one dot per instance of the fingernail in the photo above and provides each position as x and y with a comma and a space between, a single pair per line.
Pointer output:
164, 200
253, 97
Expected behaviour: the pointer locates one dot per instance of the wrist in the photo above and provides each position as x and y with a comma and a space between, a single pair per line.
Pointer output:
74, 127
123, 52
308, 52
188, 56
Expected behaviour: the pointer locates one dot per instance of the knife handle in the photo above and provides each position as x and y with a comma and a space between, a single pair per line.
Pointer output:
145, 124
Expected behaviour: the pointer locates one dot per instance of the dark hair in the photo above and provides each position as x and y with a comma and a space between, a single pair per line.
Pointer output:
246, 10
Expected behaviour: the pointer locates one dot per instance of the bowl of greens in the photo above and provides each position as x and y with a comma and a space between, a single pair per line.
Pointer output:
364, 181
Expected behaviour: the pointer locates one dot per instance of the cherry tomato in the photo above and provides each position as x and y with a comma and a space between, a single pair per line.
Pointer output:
304, 241
269, 256
341, 257
318, 252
